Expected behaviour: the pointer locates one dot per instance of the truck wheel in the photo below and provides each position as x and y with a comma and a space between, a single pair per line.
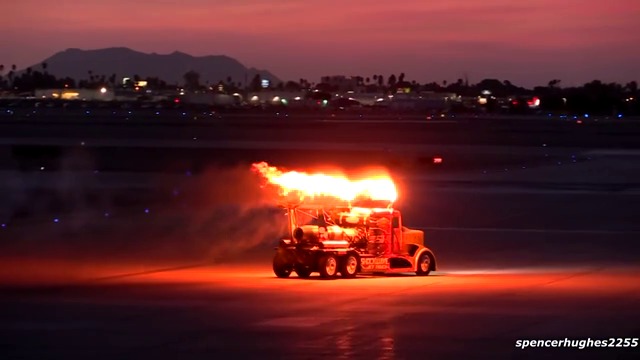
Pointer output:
349, 268
280, 266
302, 271
328, 266
424, 264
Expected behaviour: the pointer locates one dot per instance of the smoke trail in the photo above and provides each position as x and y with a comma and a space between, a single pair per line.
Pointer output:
228, 213
218, 214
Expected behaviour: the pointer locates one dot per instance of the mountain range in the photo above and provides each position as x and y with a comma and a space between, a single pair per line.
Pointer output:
125, 62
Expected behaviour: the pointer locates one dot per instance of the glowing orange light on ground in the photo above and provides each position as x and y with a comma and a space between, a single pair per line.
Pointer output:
377, 187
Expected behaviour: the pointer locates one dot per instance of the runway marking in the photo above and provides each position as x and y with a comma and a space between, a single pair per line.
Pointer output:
151, 271
526, 190
540, 231
609, 152
295, 321
521, 270
426, 122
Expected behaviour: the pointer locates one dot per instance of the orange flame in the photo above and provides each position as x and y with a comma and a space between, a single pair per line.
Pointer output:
378, 187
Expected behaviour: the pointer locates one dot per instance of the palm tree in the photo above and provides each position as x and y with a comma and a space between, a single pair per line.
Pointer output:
553, 83
12, 73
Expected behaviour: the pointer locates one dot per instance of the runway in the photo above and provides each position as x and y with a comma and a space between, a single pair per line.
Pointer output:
120, 255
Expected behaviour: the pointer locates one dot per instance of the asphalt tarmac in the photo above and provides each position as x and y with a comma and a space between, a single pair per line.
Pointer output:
244, 312
543, 249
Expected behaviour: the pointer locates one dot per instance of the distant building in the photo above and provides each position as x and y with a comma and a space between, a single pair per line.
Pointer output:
103, 94
422, 102
342, 83
367, 99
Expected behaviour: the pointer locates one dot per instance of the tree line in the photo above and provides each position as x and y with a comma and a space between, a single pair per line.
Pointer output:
595, 97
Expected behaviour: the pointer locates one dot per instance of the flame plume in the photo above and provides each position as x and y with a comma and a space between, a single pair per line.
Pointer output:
377, 187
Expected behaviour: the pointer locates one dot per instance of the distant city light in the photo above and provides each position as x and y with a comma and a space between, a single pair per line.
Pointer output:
265, 83
103, 90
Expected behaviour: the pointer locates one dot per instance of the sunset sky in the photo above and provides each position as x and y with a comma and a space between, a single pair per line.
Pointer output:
527, 42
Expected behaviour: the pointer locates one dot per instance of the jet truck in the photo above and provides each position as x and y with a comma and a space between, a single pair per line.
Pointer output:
344, 229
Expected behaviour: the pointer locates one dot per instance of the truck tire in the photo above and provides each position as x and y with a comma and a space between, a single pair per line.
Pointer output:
350, 265
328, 266
424, 264
302, 271
280, 266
